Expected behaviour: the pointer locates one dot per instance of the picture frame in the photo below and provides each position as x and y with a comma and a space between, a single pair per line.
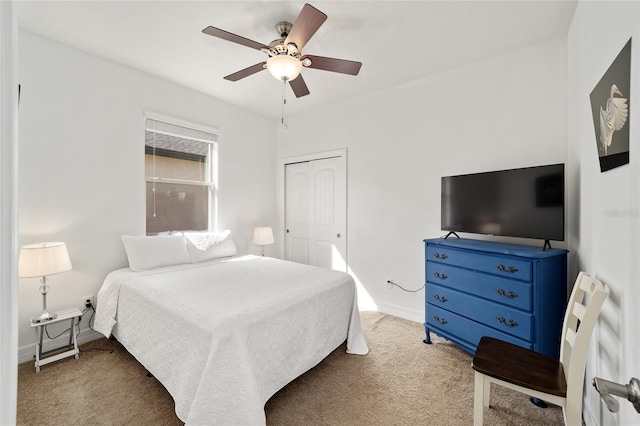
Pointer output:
610, 105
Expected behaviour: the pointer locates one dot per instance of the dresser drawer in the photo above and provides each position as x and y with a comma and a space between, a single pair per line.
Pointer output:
502, 290
500, 317
504, 266
457, 327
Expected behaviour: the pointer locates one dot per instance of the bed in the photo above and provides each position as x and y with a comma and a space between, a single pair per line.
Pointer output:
224, 335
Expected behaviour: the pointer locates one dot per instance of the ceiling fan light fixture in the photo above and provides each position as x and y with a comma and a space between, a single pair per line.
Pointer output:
285, 53
284, 67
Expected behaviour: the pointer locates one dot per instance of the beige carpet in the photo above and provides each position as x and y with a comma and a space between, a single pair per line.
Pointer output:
401, 381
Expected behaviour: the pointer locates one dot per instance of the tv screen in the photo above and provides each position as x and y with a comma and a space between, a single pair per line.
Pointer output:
527, 203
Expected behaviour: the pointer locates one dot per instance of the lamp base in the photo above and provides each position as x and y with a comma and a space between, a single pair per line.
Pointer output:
43, 317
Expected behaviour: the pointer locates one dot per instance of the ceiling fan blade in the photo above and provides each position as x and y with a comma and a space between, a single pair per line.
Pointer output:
226, 35
306, 25
299, 87
246, 72
332, 64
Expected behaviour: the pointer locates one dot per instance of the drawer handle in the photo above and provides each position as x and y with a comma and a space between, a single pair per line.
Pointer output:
440, 320
509, 269
440, 299
511, 294
440, 256
511, 323
441, 276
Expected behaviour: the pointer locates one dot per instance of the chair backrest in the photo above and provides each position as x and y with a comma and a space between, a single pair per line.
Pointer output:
583, 309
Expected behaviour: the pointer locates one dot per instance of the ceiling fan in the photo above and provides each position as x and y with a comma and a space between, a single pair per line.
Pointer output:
285, 54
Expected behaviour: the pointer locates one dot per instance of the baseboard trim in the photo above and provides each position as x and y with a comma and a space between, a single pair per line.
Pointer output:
26, 353
402, 312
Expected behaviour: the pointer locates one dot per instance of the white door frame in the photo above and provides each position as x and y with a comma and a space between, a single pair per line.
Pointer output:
8, 212
282, 162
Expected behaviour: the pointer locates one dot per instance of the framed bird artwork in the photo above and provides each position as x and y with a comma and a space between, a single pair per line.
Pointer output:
610, 109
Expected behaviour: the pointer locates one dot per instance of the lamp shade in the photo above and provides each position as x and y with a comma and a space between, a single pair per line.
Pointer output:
284, 67
40, 260
263, 236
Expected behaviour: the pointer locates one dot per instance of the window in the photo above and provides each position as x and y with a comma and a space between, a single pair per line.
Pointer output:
181, 176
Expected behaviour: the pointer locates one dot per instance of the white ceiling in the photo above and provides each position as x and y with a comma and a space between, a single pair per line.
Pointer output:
397, 41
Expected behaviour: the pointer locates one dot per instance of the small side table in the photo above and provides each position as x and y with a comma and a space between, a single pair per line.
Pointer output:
73, 315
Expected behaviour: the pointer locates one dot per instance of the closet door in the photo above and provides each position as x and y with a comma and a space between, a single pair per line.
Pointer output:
316, 213
297, 212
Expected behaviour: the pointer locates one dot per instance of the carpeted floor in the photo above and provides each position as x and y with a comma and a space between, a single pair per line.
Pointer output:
401, 381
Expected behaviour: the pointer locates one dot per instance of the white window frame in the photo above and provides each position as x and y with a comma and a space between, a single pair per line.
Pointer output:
213, 136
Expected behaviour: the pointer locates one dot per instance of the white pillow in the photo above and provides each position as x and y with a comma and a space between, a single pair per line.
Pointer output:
152, 252
208, 245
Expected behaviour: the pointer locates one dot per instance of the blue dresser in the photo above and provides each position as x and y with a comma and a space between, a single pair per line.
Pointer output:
511, 292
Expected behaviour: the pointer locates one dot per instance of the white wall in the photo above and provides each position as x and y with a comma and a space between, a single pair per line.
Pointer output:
607, 245
81, 165
506, 112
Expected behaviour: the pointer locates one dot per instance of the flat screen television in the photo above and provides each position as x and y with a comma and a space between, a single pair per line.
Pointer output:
526, 203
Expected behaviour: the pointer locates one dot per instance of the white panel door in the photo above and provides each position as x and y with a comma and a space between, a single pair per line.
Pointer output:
297, 212
323, 243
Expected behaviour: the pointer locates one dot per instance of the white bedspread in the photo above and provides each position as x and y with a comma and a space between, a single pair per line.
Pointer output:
224, 336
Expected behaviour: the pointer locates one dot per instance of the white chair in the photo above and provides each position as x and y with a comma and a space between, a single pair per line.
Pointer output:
558, 382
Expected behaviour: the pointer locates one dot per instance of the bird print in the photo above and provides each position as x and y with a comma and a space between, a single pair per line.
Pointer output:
613, 117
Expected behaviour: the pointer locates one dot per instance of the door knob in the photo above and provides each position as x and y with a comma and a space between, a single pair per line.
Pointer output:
339, 235
606, 388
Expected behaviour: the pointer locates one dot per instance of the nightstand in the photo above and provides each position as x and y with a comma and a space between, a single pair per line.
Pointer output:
73, 316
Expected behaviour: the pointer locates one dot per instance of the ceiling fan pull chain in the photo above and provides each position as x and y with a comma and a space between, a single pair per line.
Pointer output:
284, 102
154, 175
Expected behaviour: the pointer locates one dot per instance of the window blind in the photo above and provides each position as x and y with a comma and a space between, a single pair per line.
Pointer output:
171, 129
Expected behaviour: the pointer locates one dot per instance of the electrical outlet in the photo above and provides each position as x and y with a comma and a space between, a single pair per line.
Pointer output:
389, 285
87, 301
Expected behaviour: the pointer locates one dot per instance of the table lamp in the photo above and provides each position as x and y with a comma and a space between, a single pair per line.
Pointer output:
263, 236
41, 260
